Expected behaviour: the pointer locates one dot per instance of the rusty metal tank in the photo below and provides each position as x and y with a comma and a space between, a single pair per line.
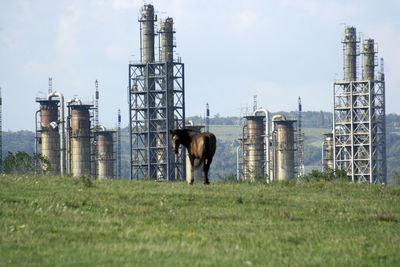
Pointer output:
105, 154
80, 140
253, 149
49, 134
285, 148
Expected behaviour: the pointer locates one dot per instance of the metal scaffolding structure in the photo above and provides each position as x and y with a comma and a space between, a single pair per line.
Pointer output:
150, 125
359, 116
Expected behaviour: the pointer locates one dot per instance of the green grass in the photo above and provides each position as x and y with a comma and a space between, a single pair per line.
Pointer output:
63, 221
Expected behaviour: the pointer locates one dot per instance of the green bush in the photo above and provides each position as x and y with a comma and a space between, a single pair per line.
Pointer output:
329, 175
22, 163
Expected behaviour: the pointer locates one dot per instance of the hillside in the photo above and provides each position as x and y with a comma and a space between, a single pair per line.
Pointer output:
228, 129
47, 221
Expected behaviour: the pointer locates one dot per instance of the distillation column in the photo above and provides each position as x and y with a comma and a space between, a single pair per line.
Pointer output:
368, 53
147, 21
350, 54
167, 57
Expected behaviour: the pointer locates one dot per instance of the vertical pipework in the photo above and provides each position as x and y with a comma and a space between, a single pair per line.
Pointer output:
147, 20
350, 54
369, 64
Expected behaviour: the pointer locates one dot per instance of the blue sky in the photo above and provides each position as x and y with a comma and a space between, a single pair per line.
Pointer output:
232, 50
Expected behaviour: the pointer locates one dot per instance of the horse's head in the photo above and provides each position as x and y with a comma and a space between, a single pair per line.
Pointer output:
175, 140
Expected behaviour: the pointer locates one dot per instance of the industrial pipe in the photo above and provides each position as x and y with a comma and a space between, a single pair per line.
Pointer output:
36, 139
237, 164
322, 156
267, 137
62, 141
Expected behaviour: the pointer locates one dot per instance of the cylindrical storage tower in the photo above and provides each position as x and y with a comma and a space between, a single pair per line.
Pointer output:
105, 160
328, 151
284, 148
50, 135
350, 54
368, 53
147, 19
254, 153
80, 140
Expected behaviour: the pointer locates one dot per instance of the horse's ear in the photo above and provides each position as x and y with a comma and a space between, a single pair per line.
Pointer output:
171, 132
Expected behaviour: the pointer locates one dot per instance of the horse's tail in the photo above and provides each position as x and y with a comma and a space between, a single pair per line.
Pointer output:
206, 145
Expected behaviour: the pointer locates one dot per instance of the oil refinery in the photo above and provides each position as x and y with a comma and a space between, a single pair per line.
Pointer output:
271, 147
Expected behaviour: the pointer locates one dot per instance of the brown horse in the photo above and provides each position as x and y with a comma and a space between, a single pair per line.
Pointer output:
199, 146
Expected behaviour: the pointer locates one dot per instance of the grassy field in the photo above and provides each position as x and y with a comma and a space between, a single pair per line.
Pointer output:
63, 221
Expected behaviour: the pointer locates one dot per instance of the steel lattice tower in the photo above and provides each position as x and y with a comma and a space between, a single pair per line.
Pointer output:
359, 115
156, 104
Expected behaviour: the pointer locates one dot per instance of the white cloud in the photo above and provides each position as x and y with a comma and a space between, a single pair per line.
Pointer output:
68, 28
126, 4
245, 22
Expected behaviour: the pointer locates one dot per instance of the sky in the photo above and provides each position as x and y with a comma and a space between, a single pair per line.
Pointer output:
232, 50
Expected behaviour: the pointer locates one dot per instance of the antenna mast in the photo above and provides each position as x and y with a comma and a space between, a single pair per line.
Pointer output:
300, 139
96, 105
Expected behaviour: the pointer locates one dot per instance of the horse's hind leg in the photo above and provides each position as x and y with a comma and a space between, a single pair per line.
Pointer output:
191, 170
206, 167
